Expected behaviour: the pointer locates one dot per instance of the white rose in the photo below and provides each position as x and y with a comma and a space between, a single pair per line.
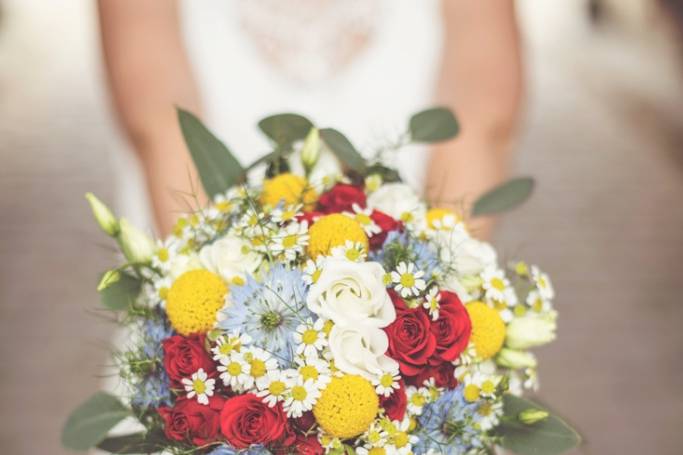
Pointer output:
396, 200
229, 257
181, 263
531, 331
465, 255
352, 293
361, 351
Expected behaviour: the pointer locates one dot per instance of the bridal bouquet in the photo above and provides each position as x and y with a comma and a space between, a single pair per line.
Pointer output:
322, 308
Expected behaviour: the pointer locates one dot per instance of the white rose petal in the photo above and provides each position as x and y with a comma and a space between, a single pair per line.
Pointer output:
229, 257
361, 351
464, 254
396, 200
351, 293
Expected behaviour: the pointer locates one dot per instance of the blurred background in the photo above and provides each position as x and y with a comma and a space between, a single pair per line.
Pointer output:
603, 135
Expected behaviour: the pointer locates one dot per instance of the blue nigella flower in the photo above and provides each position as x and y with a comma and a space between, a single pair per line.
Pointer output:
269, 311
153, 390
446, 425
228, 450
401, 246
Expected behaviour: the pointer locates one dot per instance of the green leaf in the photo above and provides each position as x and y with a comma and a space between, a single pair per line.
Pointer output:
504, 197
343, 149
433, 125
551, 436
120, 294
89, 424
217, 167
132, 444
285, 129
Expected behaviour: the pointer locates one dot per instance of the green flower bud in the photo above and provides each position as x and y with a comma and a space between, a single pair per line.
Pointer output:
136, 246
104, 217
531, 416
310, 153
110, 277
512, 358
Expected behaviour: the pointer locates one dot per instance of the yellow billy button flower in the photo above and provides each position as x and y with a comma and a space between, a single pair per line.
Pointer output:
288, 188
442, 219
193, 300
347, 406
334, 230
488, 329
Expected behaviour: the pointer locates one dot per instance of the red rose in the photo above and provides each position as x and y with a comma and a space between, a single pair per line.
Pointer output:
193, 422
452, 330
443, 374
309, 445
341, 198
411, 341
246, 420
386, 224
305, 423
183, 356
395, 404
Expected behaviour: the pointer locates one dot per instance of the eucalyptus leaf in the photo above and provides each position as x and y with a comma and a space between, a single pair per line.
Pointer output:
285, 129
551, 436
120, 294
343, 149
504, 197
89, 424
433, 125
218, 168
131, 444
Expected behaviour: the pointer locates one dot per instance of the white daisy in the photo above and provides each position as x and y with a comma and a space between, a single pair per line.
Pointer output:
287, 213
301, 396
274, 388
417, 399
543, 284
291, 240
200, 385
537, 303
494, 283
227, 344
166, 250
312, 270
234, 372
352, 251
408, 280
261, 364
432, 302
310, 337
364, 218
313, 369
489, 413
387, 383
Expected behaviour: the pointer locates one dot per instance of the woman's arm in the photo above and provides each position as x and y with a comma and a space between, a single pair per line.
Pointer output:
481, 79
149, 74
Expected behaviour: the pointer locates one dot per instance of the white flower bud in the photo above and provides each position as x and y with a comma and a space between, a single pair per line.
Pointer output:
531, 416
110, 277
310, 153
136, 246
530, 331
512, 358
104, 217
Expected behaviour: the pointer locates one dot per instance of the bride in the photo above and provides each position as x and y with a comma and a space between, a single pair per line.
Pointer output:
362, 66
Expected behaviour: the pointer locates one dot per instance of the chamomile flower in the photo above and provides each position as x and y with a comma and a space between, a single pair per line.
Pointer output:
489, 413
200, 386
164, 253
287, 213
160, 288
274, 388
432, 302
537, 303
234, 372
543, 284
312, 270
260, 365
364, 217
494, 283
408, 281
313, 369
310, 337
387, 383
400, 441
376, 437
301, 397
352, 251
417, 399
291, 240
229, 343
479, 384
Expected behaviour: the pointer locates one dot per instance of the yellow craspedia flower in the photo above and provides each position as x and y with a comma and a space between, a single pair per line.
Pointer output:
334, 230
440, 218
288, 188
193, 300
488, 329
347, 406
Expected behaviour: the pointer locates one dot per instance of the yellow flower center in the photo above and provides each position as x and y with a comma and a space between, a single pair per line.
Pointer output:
223, 206
225, 348
352, 254
497, 283
377, 451
290, 241
327, 327
347, 407
471, 393
162, 254
193, 301
520, 310
485, 409
299, 393
386, 380
408, 280
276, 388
488, 387
234, 368
309, 372
258, 368
418, 399
310, 336
400, 439
199, 386
522, 269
